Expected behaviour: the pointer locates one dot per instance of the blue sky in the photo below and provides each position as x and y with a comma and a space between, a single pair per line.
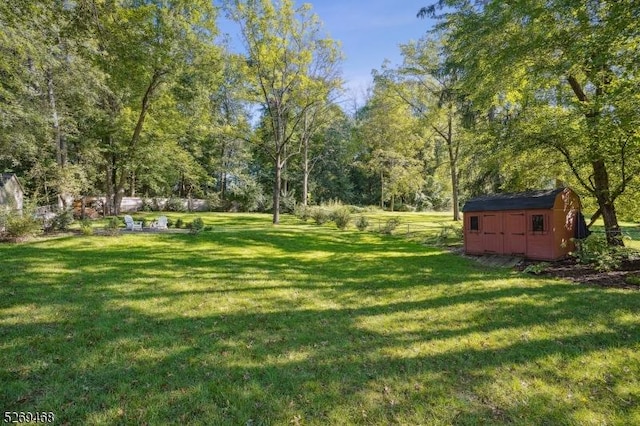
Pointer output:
369, 31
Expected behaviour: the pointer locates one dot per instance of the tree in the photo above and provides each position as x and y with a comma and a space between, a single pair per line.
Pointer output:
288, 63
146, 47
392, 138
567, 71
430, 88
47, 95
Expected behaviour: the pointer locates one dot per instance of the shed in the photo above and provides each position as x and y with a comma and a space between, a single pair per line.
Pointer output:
537, 225
11, 193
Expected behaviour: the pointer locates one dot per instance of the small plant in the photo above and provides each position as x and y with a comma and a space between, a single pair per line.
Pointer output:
61, 221
596, 251
170, 222
320, 215
85, 227
113, 226
148, 205
174, 205
362, 223
18, 227
536, 268
302, 212
179, 223
342, 217
390, 225
448, 232
213, 202
196, 226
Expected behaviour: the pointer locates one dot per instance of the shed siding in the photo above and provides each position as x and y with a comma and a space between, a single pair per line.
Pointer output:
11, 196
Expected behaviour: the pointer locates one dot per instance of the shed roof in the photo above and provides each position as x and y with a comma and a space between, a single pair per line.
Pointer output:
541, 199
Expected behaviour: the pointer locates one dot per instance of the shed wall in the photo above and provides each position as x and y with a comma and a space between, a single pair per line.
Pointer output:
541, 234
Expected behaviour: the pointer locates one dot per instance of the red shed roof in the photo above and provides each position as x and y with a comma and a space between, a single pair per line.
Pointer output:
542, 199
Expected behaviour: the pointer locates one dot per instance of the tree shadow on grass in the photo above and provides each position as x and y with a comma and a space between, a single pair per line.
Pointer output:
342, 340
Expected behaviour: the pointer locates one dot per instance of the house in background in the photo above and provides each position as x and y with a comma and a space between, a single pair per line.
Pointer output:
11, 193
537, 225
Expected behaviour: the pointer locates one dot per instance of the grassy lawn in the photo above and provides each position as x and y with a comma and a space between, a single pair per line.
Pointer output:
299, 324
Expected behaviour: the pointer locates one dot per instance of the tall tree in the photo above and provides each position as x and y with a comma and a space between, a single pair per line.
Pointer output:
570, 71
146, 46
390, 132
430, 87
285, 48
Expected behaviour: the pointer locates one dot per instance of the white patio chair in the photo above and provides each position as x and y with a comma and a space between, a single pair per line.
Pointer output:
161, 223
132, 225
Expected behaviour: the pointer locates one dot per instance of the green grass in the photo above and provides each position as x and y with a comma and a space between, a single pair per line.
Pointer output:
250, 323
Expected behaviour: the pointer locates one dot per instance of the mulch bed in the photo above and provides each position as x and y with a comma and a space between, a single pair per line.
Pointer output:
627, 276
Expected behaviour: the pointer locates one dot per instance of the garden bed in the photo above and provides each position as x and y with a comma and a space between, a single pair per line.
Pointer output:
627, 276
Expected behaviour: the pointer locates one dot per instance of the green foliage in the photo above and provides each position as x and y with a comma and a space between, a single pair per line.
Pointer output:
302, 212
248, 196
362, 223
288, 202
175, 205
149, 205
390, 225
179, 223
449, 233
61, 221
595, 250
86, 227
536, 268
213, 201
342, 217
18, 226
320, 215
112, 226
196, 226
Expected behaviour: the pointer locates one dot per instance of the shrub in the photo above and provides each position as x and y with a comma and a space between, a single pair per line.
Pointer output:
288, 202
390, 225
85, 227
113, 226
342, 217
302, 212
148, 205
320, 215
17, 226
248, 196
174, 205
196, 226
448, 232
213, 202
179, 223
61, 221
536, 268
596, 251
362, 223
169, 222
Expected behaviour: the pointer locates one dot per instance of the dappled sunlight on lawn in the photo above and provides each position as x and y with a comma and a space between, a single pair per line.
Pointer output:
270, 325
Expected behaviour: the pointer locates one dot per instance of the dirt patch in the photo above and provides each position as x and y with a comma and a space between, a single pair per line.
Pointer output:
627, 276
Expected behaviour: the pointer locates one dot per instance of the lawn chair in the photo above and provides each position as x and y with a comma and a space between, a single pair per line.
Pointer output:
161, 223
132, 225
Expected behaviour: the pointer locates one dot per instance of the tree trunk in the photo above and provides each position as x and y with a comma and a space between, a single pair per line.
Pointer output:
606, 203
382, 190
305, 177
453, 164
60, 142
276, 190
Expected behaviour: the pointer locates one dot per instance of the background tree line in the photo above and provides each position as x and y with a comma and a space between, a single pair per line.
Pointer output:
144, 97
